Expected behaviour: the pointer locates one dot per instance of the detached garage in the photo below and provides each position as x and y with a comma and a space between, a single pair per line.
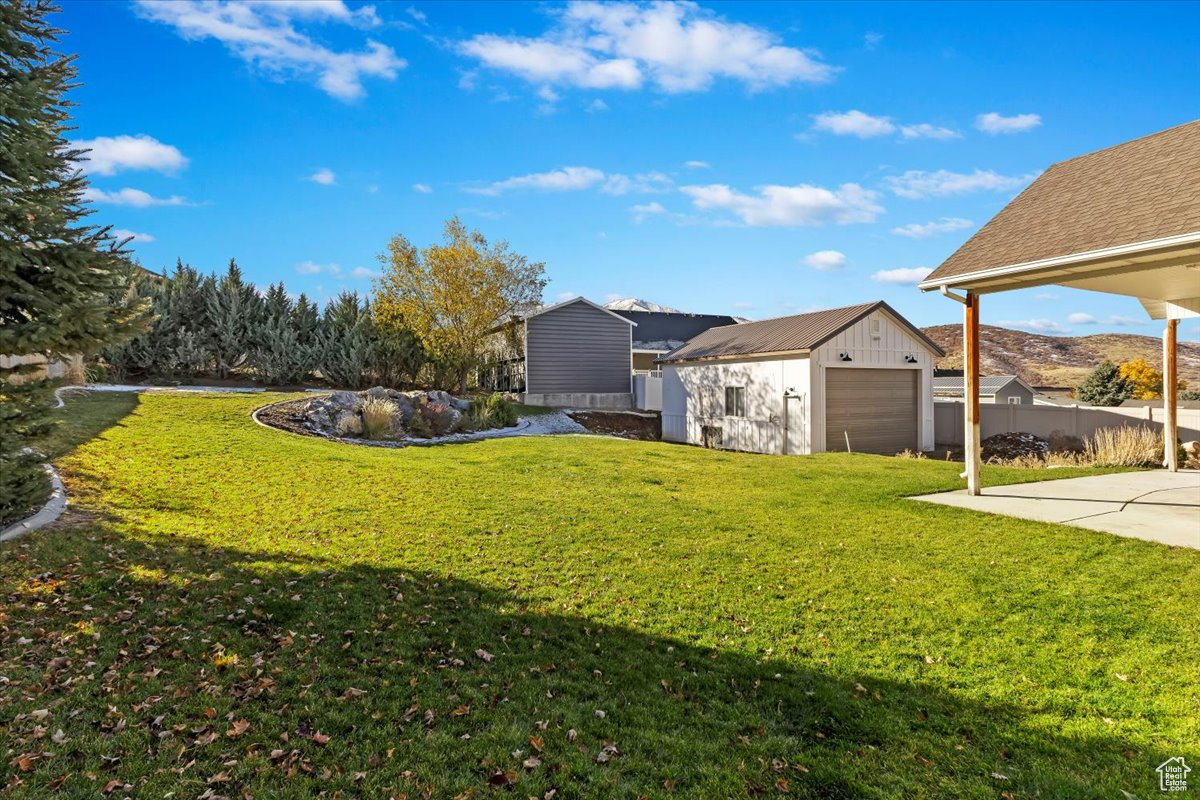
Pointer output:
857, 378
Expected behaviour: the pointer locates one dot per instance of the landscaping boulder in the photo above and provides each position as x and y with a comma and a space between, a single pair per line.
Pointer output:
341, 413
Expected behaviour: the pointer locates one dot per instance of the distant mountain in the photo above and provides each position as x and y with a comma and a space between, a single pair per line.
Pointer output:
637, 304
1058, 360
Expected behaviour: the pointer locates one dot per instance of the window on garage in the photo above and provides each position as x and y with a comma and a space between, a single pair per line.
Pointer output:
735, 401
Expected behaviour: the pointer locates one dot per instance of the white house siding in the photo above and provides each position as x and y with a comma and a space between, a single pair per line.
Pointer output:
694, 396
883, 347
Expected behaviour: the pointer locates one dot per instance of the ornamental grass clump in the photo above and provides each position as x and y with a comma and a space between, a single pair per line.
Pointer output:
1126, 446
377, 413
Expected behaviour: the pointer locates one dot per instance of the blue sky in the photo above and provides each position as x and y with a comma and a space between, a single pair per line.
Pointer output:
756, 159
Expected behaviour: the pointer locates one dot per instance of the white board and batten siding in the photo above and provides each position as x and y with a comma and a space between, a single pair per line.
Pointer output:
786, 397
895, 343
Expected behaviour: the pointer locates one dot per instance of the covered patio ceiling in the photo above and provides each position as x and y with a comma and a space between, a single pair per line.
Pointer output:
1124, 220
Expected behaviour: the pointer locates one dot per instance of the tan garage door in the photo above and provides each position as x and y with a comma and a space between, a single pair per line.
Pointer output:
877, 408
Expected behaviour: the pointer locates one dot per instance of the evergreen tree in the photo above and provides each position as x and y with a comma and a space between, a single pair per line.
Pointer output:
1104, 386
347, 342
234, 310
58, 275
280, 355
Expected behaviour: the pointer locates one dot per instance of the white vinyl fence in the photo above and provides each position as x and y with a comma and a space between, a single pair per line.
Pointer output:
1081, 421
71, 369
647, 391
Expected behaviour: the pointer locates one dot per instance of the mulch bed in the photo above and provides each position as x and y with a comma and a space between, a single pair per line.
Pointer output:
288, 416
643, 427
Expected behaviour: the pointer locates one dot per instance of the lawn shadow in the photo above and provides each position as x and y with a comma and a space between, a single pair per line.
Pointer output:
431, 686
85, 416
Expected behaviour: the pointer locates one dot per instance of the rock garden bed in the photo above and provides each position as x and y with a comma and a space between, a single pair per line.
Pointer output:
392, 418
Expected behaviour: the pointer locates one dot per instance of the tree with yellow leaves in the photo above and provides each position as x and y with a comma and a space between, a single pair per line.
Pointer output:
1145, 381
451, 295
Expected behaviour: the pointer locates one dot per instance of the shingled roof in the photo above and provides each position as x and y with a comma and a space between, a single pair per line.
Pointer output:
794, 334
1139, 191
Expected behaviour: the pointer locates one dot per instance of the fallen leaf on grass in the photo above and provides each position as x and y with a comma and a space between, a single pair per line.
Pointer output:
320, 739
484, 654
239, 727
502, 780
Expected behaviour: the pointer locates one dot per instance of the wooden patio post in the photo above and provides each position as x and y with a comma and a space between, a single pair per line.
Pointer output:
1170, 402
971, 453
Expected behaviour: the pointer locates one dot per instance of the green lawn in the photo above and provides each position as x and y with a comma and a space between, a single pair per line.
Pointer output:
233, 609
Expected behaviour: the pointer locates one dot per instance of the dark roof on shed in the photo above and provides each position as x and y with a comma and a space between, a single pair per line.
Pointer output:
656, 327
797, 333
1134, 192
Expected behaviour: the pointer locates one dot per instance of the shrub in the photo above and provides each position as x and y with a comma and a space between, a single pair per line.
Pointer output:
417, 426
1126, 446
377, 415
438, 416
493, 412
1062, 442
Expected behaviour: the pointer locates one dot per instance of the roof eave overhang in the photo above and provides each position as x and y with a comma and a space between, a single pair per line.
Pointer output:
737, 357
1062, 268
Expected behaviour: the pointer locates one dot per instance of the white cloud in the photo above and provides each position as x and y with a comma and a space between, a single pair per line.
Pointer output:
1045, 296
573, 179
548, 94
324, 176
567, 179
677, 47
1035, 325
642, 212
423, 188
563, 297
696, 164
363, 272
1081, 318
313, 268
112, 154
853, 123
743, 306
905, 275
121, 233
130, 197
826, 259
263, 34
917, 183
416, 14
597, 105
872, 39
919, 230
994, 123
642, 183
866, 126
790, 206
924, 130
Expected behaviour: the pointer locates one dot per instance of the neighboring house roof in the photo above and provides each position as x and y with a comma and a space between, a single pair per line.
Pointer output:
1133, 193
988, 384
662, 331
638, 304
537, 312
795, 334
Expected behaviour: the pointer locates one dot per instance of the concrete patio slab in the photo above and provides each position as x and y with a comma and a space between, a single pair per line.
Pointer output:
1157, 506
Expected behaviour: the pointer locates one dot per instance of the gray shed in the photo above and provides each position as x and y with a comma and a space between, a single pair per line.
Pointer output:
577, 353
992, 389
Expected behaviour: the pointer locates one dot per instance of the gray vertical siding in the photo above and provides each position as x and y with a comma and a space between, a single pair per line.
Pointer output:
577, 348
1014, 389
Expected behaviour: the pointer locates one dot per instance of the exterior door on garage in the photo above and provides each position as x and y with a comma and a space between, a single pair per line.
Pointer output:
876, 408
